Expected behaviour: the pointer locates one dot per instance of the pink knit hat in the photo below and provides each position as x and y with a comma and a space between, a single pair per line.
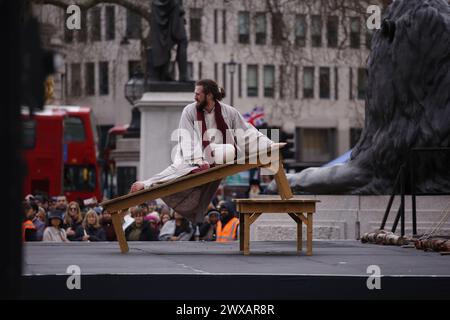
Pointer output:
154, 216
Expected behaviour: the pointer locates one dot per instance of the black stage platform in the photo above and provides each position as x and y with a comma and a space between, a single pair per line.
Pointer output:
157, 270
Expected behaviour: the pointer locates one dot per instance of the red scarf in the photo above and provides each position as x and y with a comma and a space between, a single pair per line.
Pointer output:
220, 122
221, 125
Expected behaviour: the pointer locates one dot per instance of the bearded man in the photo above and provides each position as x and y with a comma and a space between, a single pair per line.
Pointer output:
207, 128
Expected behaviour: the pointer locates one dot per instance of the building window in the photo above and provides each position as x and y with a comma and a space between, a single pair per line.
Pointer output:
224, 26
134, 25
300, 30
316, 145
296, 82
277, 28
134, 66
355, 32
362, 83
89, 79
196, 24
29, 134
224, 76
336, 83
216, 71
244, 26
350, 84
252, 80
110, 19
308, 82
64, 84
355, 134
316, 31
332, 31
82, 33
66, 76
74, 130
282, 76
200, 71
369, 35
324, 83
261, 28
75, 79
103, 78
269, 81
216, 25
96, 24
240, 80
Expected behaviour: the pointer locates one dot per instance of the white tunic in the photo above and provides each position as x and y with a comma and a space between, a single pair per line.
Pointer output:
189, 153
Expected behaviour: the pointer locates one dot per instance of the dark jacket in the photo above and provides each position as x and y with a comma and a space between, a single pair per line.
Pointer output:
110, 233
208, 232
147, 233
96, 234
79, 232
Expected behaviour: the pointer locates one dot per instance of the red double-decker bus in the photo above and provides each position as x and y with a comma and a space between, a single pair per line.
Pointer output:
76, 171
43, 152
109, 173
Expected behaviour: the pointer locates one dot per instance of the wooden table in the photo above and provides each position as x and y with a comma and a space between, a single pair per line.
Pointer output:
300, 210
118, 206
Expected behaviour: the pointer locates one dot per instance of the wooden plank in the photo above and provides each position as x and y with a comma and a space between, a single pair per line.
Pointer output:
241, 231
300, 235
298, 220
295, 217
253, 217
117, 224
278, 207
309, 235
284, 190
274, 200
172, 187
246, 235
183, 183
302, 218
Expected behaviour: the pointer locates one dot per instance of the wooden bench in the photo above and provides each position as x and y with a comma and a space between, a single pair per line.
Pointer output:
118, 206
300, 210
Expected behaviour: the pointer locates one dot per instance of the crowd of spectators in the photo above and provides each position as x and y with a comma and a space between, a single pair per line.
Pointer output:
57, 220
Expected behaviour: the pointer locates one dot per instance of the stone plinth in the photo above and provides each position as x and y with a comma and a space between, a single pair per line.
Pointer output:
160, 116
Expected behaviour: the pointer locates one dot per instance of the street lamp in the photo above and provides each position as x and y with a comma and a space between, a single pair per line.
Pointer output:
232, 69
134, 89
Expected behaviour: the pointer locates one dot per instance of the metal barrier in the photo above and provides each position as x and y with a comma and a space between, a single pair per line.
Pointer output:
400, 186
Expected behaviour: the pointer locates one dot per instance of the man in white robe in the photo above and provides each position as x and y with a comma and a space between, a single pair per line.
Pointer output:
204, 125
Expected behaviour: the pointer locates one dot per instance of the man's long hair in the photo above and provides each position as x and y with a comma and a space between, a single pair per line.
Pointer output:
210, 86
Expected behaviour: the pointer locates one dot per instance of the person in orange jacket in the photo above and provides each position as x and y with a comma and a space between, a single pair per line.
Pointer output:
227, 226
28, 228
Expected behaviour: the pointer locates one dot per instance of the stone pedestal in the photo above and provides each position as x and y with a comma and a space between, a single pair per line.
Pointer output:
160, 116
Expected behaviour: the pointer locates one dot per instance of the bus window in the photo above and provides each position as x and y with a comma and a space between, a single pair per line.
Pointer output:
79, 178
74, 130
29, 134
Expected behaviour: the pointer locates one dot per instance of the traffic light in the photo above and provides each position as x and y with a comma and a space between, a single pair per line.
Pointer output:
288, 152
